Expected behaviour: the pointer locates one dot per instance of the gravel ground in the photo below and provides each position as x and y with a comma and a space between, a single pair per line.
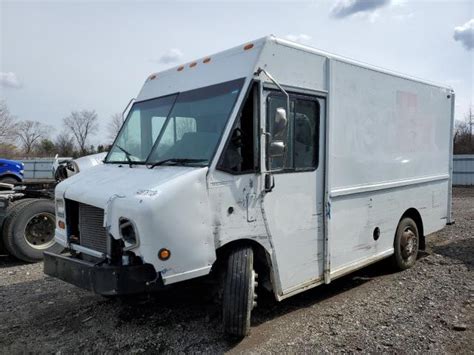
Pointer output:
429, 308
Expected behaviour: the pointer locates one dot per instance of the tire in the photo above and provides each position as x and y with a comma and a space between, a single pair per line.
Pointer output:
28, 230
239, 292
11, 206
9, 180
406, 244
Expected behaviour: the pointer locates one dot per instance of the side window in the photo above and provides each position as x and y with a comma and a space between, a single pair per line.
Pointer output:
300, 135
240, 155
306, 124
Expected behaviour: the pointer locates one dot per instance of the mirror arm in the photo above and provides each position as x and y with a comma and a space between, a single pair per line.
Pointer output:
261, 70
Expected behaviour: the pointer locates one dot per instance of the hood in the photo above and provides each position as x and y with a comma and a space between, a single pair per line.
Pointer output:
14, 163
101, 183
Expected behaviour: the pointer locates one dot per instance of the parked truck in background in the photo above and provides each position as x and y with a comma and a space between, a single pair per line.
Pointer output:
27, 213
11, 171
270, 158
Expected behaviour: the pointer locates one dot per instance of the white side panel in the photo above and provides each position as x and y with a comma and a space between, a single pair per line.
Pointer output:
293, 67
386, 128
390, 148
235, 202
354, 218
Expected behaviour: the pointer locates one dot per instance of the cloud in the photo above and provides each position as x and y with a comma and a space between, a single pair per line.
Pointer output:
172, 56
9, 80
465, 34
345, 8
301, 38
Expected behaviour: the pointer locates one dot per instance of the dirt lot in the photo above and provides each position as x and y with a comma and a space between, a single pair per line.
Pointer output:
429, 308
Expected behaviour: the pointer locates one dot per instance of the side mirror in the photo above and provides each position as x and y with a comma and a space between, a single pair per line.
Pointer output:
277, 149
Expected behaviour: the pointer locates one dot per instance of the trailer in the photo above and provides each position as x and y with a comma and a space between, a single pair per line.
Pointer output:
271, 165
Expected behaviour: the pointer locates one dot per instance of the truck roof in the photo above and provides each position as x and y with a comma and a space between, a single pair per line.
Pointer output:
238, 62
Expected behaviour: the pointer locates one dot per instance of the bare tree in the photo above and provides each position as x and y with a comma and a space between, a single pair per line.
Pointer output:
82, 124
463, 134
29, 133
64, 145
114, 125
7, 124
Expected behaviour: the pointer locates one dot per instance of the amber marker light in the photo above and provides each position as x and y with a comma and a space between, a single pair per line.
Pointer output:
164, 254
192, 65
248, 46
181, 67
61, 225
152, 77
207, 60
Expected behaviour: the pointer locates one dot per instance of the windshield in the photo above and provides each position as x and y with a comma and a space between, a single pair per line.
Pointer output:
140, 130
183, 126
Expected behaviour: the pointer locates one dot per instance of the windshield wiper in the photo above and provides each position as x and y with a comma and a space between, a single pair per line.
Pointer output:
182, 161
127, 155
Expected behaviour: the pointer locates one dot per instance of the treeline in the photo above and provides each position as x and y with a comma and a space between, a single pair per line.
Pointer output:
463, 135
26, 138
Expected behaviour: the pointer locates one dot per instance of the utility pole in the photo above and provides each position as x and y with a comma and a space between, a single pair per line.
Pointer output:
470, 129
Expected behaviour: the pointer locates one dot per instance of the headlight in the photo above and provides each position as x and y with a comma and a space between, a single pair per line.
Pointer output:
60, 208
128, 232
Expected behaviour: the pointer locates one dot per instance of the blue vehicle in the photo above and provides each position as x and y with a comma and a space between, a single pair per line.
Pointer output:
11, 171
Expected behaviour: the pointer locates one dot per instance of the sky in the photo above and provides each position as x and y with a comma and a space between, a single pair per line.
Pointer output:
60, 56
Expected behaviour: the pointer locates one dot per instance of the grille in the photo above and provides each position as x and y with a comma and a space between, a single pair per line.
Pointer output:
92, 234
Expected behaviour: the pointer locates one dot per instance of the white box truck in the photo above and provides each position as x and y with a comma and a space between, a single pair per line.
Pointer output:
270, 158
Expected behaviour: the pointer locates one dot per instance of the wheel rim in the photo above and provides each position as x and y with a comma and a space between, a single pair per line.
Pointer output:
254, 284
39, 231
409, 244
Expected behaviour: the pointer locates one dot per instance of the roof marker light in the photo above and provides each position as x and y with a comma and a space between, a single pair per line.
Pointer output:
192, 65
152, 77
181, 67
248, 46
206, 60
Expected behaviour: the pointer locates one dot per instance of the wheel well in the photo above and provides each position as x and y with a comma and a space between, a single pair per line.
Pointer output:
415, 216
10, 176
262, 261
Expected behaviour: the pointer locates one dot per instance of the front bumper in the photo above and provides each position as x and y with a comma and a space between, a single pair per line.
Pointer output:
107, 280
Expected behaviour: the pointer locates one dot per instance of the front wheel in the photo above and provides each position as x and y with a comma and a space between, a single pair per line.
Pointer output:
239, 292
406, 244
9, 180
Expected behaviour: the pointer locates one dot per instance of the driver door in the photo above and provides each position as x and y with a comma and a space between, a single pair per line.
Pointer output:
294, 205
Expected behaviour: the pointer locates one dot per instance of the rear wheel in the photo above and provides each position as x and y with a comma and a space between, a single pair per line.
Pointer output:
406, 244
11, 206
28, 230
239, 292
